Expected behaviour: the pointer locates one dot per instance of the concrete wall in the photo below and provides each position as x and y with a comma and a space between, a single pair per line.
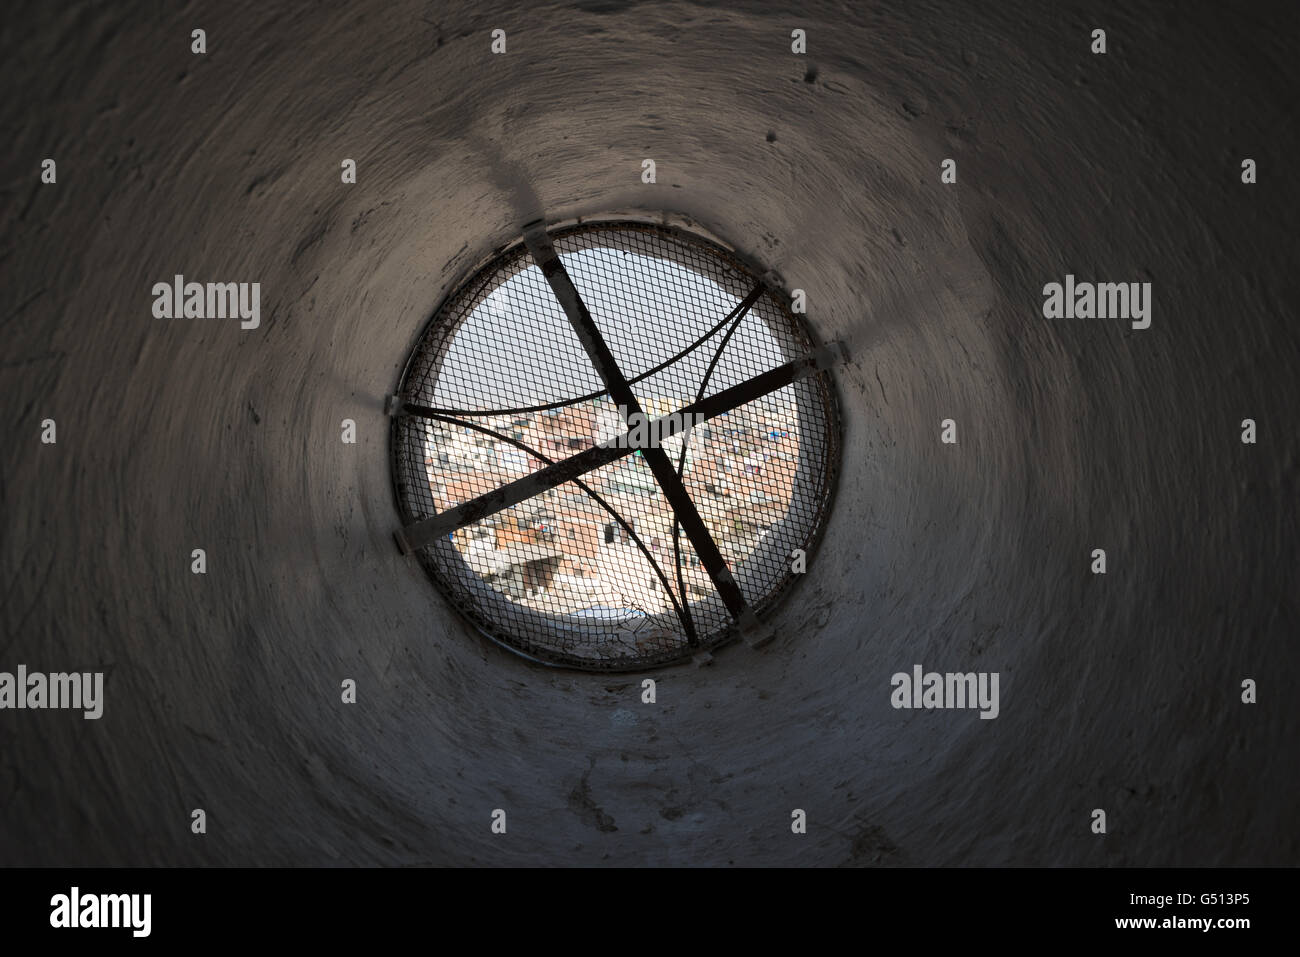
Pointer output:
1118, 691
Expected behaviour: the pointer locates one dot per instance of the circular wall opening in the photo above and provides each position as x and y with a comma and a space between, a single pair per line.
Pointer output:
598, 573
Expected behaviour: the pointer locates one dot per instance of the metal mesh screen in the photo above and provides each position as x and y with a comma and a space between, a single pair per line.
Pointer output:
595, 573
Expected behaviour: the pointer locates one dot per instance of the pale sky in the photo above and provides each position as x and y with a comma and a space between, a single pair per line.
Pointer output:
496, 360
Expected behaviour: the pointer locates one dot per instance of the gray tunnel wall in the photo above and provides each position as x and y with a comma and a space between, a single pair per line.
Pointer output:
1118, 691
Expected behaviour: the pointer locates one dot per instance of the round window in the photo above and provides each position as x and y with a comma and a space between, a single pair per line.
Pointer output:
614, 461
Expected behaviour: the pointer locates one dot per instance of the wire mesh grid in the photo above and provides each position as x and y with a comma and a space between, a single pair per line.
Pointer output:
596, 573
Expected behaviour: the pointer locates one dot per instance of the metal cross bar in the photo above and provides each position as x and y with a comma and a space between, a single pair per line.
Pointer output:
421, 533
543, 253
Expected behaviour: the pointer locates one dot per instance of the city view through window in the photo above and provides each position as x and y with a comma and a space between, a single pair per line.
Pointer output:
562, 551
598, 568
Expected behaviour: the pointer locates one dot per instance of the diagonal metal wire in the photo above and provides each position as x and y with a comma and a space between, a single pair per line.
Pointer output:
738, 313
683, 610
681, 457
